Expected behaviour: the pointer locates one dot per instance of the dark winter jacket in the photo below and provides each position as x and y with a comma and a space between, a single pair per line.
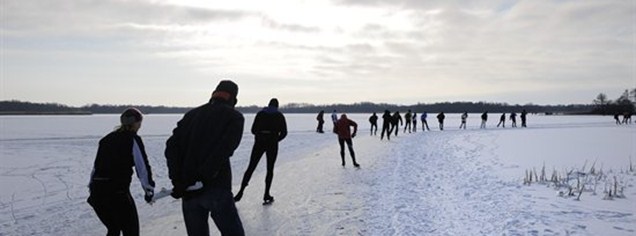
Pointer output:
269, 122
118, 153
441, 117
373, 119
386, 118
202, 143
397, 118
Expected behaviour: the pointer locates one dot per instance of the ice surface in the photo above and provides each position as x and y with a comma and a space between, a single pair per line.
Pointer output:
451, 182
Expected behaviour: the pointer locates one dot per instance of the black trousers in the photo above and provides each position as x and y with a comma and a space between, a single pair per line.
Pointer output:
268, 145
319, 128
342, 142
386, 128
117, 211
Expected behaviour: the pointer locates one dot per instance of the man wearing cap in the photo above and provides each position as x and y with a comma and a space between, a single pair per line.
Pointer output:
198, 154
269, 128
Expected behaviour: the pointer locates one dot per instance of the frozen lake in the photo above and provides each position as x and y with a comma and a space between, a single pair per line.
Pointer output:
46, 162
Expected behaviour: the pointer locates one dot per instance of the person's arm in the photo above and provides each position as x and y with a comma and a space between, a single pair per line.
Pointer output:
228, 142
142, 168
256, 125
173, 151
283, 130
355, 128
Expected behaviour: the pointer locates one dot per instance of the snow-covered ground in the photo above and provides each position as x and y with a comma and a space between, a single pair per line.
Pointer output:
451, 182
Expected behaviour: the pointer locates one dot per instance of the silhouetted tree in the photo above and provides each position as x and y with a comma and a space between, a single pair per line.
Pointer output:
601, 103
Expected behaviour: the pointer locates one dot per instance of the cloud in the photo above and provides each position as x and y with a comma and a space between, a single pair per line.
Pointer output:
406, 47
270, 23
70, 15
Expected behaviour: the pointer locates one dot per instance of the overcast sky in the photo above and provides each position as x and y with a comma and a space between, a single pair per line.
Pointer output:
162, 52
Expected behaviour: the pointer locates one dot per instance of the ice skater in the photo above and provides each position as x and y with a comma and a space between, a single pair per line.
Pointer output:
513, 119
407, 121
386, 125
484, 118
321, 121
463, 117
627, 117
198, 157
440, 119
523, 118
618, 121
109, 186
345, 136
396, 122
334, 118
269, 128
502, 120
414, 118
424, 123
373, 119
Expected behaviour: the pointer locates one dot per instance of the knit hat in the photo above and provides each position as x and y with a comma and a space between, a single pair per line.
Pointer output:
226, 89
273, 103
130, 116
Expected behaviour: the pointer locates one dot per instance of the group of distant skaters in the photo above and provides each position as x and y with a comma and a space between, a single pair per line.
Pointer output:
627, 118
392, 122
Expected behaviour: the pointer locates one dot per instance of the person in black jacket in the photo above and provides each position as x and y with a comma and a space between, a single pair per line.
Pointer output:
523, 118
407, 121
321, 120
440, 119
386, 125
396, 121
502, 120
269, 128
109, 185
198, 157
373, 119
484, 119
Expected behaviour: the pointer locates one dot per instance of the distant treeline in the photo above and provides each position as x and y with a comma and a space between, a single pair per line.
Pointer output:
20, 107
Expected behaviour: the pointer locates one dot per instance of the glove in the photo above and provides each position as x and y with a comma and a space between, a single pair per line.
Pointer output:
178, 189
353, 135
148, 196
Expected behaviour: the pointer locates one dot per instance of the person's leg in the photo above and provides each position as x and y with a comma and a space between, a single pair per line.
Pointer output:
129, 217
223, 212
195, 215
351, 152
271, 155
106, 208
257, 152
341, 142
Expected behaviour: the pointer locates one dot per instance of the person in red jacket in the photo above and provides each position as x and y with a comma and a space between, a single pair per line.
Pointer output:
344, 136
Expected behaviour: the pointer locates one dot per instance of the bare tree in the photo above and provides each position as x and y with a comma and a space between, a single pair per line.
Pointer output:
601, 99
